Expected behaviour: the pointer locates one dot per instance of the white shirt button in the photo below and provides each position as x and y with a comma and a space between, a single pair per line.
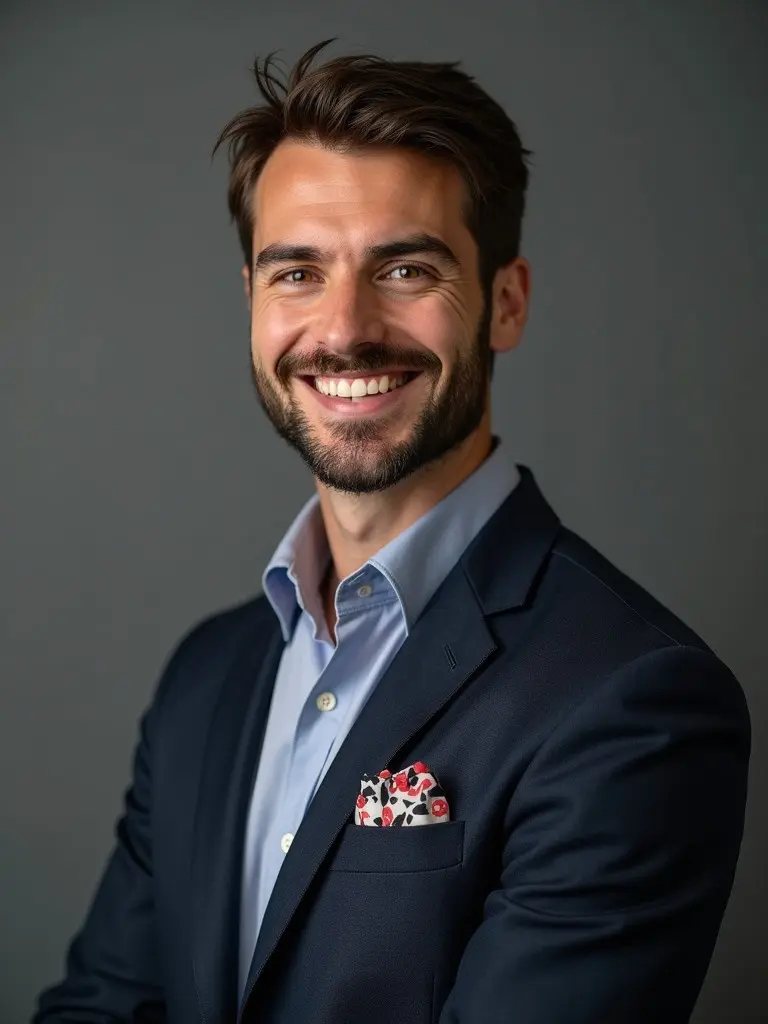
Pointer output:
285, 842
365, 590
326, 701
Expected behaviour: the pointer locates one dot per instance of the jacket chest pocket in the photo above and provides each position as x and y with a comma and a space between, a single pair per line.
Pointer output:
414, 848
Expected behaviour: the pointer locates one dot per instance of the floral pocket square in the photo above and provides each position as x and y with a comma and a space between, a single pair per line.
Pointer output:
412, 796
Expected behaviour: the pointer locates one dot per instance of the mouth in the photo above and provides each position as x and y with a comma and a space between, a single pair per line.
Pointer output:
363, 393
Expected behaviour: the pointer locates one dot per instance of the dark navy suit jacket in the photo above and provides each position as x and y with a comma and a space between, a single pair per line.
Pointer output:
594, 753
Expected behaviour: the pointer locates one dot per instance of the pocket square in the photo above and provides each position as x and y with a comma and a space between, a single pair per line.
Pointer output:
412, 796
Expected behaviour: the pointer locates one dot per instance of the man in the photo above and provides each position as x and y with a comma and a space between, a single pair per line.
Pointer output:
433, 648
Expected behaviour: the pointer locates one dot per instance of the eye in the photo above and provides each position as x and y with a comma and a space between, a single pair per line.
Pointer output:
295, 276
406, 272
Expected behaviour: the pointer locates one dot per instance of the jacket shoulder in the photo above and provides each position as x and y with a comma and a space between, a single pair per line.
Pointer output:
613, 625
207, 650
613, 593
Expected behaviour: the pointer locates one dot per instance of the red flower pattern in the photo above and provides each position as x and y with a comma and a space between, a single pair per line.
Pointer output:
424, 784
400, 789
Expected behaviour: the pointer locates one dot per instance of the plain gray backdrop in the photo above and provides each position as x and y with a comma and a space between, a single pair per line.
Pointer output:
143, 488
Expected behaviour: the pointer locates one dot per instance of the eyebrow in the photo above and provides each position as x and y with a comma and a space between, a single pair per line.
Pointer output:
412, 245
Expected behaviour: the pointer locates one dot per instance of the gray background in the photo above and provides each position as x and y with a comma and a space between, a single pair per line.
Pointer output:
142, 486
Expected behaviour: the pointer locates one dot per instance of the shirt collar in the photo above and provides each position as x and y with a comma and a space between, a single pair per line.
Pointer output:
414, 564
294, 573
418, 560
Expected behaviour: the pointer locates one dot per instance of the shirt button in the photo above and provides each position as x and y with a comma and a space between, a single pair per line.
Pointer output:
365, 591
326, 702
285, 842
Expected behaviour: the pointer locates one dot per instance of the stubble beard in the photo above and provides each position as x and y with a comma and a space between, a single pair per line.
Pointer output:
359, 459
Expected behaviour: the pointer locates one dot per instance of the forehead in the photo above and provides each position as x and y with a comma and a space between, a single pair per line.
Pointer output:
306, 188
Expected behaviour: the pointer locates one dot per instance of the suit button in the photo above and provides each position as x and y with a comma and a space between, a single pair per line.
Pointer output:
326, 702
285, 842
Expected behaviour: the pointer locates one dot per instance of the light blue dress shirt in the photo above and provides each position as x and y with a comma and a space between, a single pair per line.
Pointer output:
321, 686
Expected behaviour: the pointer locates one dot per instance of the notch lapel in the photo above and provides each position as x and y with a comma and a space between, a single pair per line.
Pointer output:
230, 760
447, 645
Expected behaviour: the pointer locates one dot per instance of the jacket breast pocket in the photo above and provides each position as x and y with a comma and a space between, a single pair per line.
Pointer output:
404, 848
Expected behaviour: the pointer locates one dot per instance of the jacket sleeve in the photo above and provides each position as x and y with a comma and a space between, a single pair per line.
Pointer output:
112, 971
621, 846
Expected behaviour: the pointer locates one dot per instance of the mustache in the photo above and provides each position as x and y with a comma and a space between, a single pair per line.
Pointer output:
367, 360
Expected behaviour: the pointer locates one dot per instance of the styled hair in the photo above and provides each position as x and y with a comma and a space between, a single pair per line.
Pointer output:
353, 102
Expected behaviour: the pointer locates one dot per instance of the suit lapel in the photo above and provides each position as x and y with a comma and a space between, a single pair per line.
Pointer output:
231, 756
449, 644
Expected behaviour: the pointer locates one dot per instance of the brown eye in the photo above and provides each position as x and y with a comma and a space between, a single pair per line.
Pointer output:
406, 272
298, 276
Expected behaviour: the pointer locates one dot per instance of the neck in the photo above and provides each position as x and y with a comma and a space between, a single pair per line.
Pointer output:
359, 525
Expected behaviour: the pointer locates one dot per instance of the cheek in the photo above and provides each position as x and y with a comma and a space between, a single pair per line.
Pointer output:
440, 326
272, 333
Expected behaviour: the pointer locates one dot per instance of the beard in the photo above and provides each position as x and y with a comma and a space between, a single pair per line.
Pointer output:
358, 458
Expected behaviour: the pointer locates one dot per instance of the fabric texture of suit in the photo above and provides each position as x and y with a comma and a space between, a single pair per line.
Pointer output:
594, 752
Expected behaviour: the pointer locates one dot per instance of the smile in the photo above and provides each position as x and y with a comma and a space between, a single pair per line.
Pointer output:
360, 387
363, 394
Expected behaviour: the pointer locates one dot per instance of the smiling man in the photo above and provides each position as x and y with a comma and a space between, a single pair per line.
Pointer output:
452, 765
371, 346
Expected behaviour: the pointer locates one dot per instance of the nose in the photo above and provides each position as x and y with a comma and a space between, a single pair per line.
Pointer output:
349, 315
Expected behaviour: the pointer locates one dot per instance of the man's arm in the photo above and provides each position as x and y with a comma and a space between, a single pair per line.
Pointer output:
112, 970
622, 842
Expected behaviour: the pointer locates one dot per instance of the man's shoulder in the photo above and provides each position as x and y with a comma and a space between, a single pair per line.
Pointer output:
225, 629
616, 599
594, 629
210, 647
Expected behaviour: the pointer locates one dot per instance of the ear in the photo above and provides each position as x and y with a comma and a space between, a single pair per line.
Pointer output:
511, 297
246, 272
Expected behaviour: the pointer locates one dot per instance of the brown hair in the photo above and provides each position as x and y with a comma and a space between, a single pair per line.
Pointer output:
352, 102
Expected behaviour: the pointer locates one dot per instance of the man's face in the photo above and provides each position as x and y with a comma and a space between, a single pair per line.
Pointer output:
368, 333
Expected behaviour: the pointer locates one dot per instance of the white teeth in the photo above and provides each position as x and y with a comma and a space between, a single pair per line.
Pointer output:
357, 388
